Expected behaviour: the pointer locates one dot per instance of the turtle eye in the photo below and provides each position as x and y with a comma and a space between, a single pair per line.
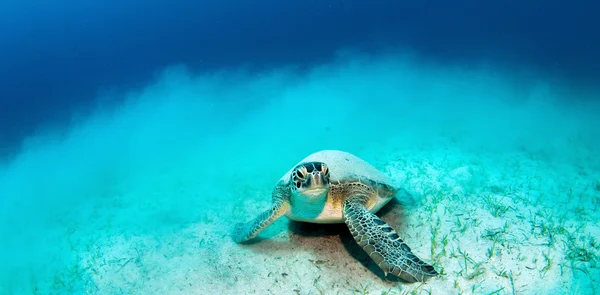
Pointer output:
300, 174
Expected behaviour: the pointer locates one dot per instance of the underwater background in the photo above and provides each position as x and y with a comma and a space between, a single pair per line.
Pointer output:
134, 135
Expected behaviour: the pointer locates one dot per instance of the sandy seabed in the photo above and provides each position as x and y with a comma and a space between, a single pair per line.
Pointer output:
491, 224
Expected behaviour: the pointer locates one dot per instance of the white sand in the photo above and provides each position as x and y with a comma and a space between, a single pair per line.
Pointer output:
141, 200
480, 229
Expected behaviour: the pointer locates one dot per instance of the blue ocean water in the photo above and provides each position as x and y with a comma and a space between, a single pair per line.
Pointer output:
133, 136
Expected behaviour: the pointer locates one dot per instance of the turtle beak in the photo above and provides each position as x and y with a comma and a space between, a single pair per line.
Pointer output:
317, 181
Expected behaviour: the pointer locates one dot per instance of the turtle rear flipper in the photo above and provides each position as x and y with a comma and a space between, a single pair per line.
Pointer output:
383, 244
249, 230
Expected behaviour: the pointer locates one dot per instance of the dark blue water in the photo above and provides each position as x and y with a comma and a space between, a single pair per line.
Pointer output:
57, 57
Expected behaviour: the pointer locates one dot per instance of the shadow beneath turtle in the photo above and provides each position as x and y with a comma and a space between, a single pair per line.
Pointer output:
392, 213
311, 230
361, 256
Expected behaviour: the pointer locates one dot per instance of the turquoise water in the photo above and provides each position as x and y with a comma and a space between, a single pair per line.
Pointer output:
141, 197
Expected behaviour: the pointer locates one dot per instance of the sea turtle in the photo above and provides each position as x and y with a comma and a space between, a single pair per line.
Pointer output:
333, 186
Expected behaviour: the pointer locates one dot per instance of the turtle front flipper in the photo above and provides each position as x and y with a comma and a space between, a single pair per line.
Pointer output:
249, 230
382, 243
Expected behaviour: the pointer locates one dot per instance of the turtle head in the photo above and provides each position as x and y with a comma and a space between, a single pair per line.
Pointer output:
310, 180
